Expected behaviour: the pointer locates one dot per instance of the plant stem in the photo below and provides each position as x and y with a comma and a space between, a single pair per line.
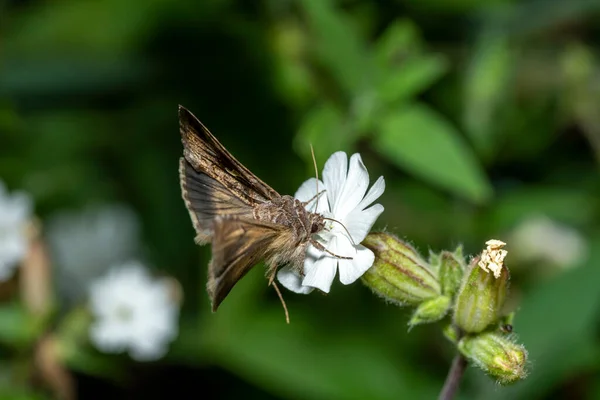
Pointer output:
459, 364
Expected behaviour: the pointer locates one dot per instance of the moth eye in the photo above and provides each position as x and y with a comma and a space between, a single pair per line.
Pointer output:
315, 228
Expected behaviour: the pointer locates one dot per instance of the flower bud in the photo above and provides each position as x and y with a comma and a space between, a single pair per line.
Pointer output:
483, 291
430, 311
399, 274
452, 269
497, 355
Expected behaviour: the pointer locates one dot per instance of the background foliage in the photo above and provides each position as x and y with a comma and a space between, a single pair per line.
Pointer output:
481, 115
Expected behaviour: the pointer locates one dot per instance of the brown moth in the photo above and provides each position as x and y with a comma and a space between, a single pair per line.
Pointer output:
244, 219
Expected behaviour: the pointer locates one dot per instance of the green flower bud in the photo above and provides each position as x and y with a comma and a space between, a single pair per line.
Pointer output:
399, 274
497, 355
483, 291
452, 269
430, 311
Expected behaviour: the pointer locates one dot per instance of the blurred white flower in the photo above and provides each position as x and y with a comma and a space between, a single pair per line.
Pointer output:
15, 214
541, 239
133, 312
346, 202
83, 244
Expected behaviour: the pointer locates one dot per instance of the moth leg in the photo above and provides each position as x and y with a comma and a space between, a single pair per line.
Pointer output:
304, 203
322, 248
271, 277
285, 309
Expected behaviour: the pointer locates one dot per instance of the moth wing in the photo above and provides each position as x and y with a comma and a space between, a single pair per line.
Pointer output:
205, 199
207, 155
237, 246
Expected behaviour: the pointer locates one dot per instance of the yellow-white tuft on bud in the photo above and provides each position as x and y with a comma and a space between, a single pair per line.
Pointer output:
492, 258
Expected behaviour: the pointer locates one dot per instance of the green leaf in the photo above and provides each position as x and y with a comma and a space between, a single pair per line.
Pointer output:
404, 66
486, 89
411, 77
338, 45
566, 204
17, 327
107, 26
398, 40
422, 142
8, 392
326, 130
309, 363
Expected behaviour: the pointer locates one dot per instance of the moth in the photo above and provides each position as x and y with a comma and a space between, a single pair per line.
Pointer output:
243, 218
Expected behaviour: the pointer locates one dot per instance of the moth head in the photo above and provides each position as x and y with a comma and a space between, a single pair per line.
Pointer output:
317, 224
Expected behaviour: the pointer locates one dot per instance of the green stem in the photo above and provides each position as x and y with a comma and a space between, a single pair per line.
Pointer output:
459, 364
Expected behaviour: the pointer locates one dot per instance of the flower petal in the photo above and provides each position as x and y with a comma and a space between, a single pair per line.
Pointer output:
308, 190
334, 175
353, 190
292, 281
373, 193
147, 350
321, 274
351, 270
359, 223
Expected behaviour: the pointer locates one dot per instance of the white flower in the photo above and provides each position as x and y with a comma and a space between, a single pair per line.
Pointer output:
85, 243
15, 213
134, 312
346, 202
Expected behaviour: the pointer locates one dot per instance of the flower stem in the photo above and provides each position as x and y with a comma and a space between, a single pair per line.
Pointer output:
459, 364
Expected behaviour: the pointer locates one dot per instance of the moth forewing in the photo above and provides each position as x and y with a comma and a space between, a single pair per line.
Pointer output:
206, 198
206, 154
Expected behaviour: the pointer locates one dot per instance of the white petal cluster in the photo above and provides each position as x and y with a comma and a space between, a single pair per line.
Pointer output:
133, 312
15, 214
348, 202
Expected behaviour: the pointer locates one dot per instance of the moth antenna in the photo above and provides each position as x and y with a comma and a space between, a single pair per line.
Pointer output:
322, 248
312, 153
287, 314
343, 226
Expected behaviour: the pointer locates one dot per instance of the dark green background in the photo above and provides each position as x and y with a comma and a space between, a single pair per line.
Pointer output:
478, 113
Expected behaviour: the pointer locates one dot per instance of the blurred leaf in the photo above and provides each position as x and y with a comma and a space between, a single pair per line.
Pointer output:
304, 362
19, 393
486, 84
419, 140
411, 77
580, 70
556, 322
92, 26
17, 327
400, 39
404, 66
564, 204
326, 129
338, 45
293, 75
535, 17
